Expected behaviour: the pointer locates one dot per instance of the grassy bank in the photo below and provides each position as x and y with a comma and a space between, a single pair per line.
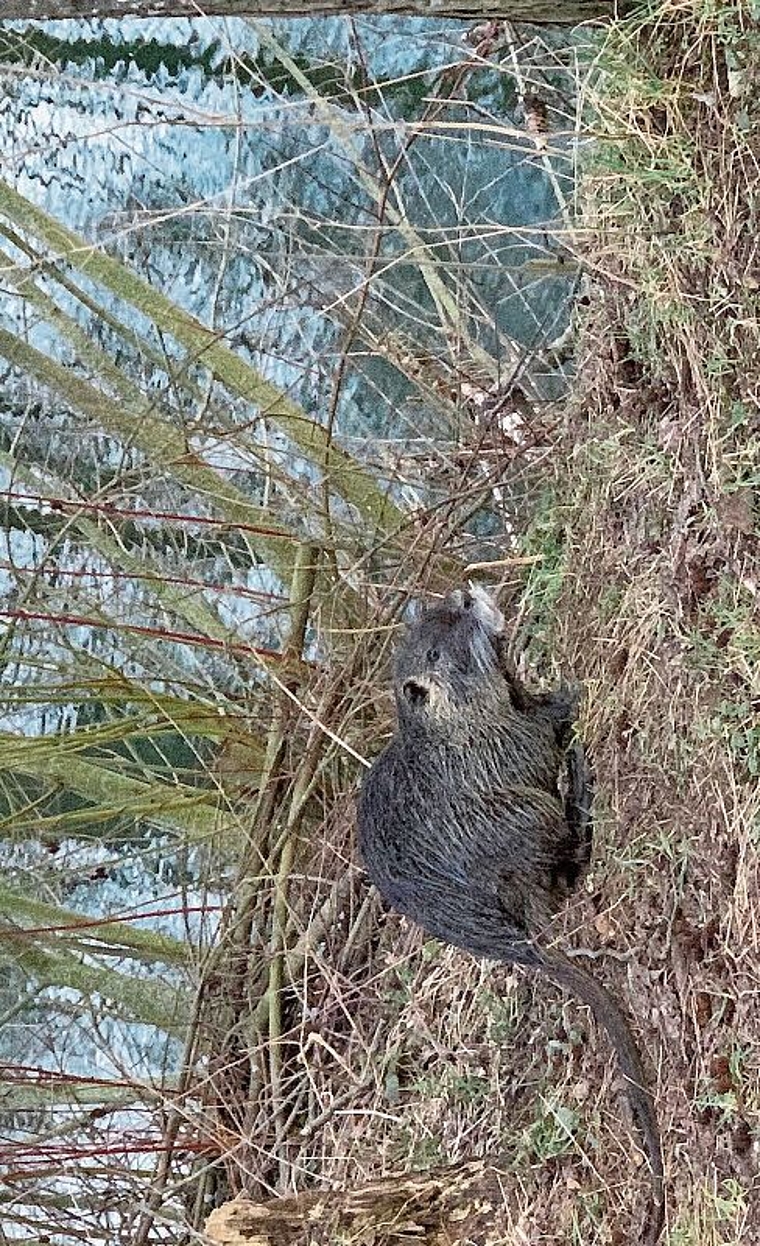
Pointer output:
661, 616
647, 590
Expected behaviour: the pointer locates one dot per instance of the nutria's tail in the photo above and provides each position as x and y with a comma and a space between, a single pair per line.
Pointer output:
564, 973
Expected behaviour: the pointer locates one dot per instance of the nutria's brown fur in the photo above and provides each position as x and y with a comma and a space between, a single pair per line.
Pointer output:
461, 826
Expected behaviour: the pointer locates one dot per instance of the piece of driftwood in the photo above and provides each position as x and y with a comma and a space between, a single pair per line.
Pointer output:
439, 1208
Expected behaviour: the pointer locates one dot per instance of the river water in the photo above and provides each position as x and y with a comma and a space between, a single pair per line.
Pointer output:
186, 147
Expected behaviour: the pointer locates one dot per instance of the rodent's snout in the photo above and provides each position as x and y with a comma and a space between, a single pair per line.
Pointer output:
414, 692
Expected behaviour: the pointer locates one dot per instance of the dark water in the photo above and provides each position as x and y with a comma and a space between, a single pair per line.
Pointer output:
188, 148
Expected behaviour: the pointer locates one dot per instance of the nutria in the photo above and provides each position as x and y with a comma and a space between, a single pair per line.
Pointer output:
461, 825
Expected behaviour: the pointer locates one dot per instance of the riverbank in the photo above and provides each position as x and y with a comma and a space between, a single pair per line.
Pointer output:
646, 589
659, 608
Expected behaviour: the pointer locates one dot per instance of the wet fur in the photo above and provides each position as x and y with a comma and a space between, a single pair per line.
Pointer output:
462, 826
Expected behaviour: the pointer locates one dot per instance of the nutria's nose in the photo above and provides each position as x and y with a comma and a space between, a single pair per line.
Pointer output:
416, 694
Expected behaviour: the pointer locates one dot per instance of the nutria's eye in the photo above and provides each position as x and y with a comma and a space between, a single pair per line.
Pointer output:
432, 656
415, 693
467, 601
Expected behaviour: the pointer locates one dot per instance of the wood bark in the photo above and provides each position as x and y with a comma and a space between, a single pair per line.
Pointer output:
537, 12
434, 1208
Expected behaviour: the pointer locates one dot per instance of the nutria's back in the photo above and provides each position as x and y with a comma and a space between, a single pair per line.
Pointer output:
467, 794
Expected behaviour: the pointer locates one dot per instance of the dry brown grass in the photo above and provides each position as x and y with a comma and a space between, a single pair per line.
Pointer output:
658, 611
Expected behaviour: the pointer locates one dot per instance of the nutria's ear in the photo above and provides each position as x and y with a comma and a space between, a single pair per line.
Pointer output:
413, 613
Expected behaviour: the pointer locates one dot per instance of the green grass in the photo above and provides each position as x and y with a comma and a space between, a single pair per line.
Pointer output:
553, 1132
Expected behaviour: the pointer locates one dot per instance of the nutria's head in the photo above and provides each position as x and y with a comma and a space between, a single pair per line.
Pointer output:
448, 658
